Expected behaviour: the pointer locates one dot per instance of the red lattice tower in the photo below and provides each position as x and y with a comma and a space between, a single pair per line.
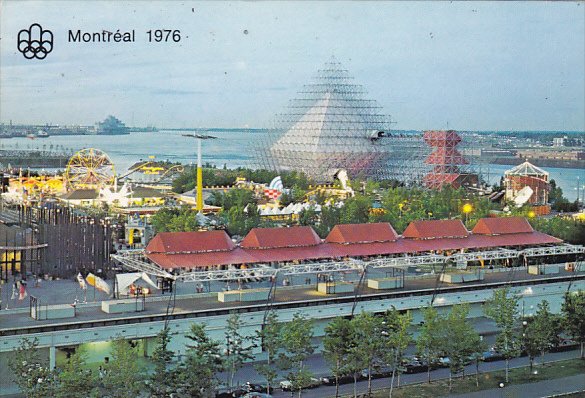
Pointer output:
445, 158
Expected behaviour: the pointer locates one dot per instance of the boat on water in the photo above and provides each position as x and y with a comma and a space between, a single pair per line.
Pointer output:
39, 134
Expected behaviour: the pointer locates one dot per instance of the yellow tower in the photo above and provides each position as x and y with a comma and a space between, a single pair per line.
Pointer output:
199, 137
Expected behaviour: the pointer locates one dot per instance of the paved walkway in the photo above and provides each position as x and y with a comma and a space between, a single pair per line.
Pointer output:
538, 389
68, 291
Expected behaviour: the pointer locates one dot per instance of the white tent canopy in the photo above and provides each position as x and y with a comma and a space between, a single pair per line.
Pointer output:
125, 280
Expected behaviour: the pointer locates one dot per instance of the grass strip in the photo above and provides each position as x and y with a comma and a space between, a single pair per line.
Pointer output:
487, 380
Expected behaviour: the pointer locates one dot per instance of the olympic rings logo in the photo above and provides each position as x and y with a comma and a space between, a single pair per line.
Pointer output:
35, 42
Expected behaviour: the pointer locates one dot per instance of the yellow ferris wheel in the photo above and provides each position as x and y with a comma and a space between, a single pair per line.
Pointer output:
90, 168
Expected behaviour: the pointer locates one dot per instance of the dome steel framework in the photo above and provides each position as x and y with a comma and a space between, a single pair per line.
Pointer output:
331, 125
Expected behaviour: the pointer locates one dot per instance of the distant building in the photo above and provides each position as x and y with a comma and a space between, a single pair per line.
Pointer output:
81, 197
552, 155
558, 141
527, 183
111, 126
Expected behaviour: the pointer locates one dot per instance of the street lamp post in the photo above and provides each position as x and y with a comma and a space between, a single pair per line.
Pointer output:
467, 208
199, 137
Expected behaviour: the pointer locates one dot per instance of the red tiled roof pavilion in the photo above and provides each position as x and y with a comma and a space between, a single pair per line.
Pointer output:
502, 226
434, 229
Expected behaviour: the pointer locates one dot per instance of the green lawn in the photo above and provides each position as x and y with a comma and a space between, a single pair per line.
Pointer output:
487, 380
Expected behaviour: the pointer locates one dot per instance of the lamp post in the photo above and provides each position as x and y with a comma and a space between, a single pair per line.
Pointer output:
199, 137
467, 208
582, 189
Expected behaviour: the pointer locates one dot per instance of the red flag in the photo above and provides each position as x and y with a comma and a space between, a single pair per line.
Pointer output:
22, 292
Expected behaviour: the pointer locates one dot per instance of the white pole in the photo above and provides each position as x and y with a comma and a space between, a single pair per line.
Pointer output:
199, 153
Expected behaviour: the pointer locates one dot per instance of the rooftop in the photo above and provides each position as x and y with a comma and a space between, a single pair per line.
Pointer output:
266, 245
362, 233
80, 194
527, 169
266, 238
190, 242
502, 226
433, 229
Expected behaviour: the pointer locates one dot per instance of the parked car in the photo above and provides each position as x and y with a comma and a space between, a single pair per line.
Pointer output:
492, 355
286, 385
237, 393
314, 383
257, 395
411, 365
565, 345
330, 380
377, 373
251, 387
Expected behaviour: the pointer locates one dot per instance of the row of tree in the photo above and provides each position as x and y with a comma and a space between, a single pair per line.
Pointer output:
354, 347
213, 176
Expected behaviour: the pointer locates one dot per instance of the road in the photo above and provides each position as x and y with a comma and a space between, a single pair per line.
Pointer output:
320, 368
538, 389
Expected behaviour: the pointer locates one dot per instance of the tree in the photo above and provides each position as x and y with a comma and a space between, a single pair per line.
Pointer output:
161, 381
366, 350
396, 338
297, 338
74, 381
295, 195
573, 310
33, 376
196, 376
336, 347
308, 216
503, 309
458, 340
124, 377
356, 210
237, 348
240, 220
269, 338
427, 343
175, 220
530, 341
547, 327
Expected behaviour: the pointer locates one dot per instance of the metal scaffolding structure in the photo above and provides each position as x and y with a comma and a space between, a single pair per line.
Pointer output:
553, 250
484, 255
134, 260
406, 261
331, 126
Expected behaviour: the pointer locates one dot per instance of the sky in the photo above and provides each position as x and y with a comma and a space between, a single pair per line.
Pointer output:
430, 65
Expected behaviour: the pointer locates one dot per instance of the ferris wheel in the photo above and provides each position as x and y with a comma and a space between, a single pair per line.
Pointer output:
90, 168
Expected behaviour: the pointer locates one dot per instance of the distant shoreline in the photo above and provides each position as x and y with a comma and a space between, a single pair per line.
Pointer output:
559, 163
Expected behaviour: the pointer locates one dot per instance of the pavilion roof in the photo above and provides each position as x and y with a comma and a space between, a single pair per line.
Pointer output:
433, 229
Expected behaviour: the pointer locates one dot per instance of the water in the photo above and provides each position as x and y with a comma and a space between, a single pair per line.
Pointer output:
566, 179
232, 148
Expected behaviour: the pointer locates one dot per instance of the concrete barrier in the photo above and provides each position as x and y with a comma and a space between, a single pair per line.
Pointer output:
385, 283
121, 306
229, 296
335, 287
232, 296
543, 269
58, 311
462, 277
254, 294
